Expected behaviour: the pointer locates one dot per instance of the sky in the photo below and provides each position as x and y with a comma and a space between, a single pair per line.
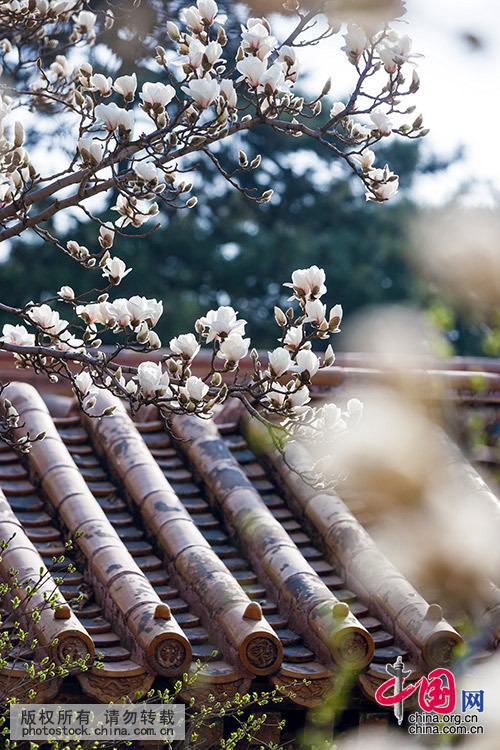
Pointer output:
459, 95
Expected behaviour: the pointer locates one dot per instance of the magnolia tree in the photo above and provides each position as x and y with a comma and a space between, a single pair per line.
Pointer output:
135, 148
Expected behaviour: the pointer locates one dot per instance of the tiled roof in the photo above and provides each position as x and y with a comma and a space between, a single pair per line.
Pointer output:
192, 546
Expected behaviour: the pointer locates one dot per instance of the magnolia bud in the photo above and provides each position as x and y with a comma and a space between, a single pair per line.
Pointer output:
327, 87
279, 316
18, 134
173, 33
329, 356
216, 379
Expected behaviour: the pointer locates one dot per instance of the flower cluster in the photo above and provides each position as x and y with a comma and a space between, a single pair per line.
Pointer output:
139, 142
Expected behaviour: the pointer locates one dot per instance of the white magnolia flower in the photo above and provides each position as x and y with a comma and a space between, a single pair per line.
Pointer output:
85, 20
299, 398
119, 310
67, 342
381, 122
95, 312
115, 270
90, 150
274, 78
18, 335
221, 323
391, 63
252, 69
336, 314
151, 380
385, 190
194, 390
208, 10
196, 52
185, 345
146, 171
395, 55
203, 90
365, 159
131, 211
356, 40
385, 184
126, 86
157, 94
66, 292
294, 338
228, 92
288, 58
279, 361
315, 311
308, 283
256, 39
47, 318
337, 108
213, 52
84, 383
101, 83
285, 396
307, 362
193, 19
142, 309
114, 116
233, 348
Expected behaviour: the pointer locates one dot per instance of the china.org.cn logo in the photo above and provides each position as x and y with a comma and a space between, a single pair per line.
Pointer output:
436, 692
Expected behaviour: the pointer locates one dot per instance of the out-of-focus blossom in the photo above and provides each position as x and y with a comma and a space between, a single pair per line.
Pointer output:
85, 20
